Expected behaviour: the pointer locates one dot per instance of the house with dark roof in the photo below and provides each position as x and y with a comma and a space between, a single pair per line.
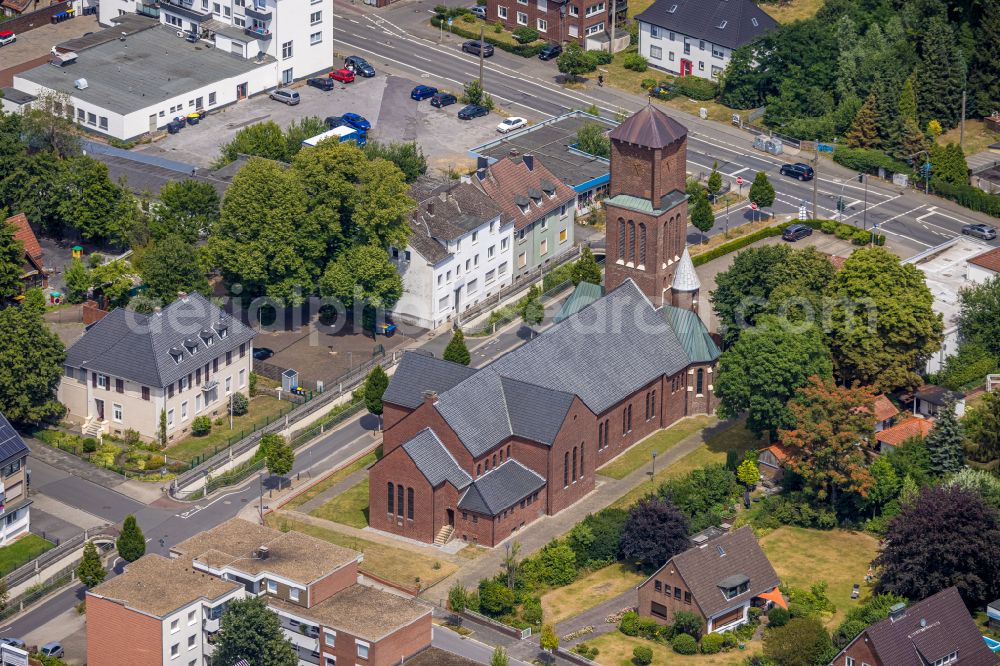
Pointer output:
698, 37
718, 580
459, 254
183, 361
541, 208
15, 507
32, 266
479, 454
933, 632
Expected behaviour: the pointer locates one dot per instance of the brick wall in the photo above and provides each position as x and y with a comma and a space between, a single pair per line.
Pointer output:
667, 576
487, 531
862, 652
117, 635
328, 586
397, 468
426, 416
35, 19
579, 432
393, 649
392, 414
705, 402
556, 31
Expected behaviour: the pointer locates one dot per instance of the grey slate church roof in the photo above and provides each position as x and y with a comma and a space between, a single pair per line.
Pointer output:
158, 349
417, 373
434, 461
11, 444
500, 488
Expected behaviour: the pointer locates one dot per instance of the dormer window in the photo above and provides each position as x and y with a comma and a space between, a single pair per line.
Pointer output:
177, 354
192, 346
733, 586
523, 202
207, 336
222, 329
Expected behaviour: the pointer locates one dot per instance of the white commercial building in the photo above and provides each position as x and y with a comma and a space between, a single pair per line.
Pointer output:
459, 254
697, 37
205, 55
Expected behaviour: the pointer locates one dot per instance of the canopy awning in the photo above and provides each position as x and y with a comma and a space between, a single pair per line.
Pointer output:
775, 596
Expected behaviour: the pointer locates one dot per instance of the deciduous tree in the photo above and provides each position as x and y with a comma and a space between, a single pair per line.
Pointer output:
93, 205
365, 273
947, 536
31, 362
831, 425
982, 427
885, 484
748, 473
741, 292
882, 326
761, 191
802, 642
586, 268
250, 630
456, 351
131, 542
655, 531
574, 61
702, 216
979, 314
186, 209
278, 455
172, 265
714, 180
260, 140
11, 260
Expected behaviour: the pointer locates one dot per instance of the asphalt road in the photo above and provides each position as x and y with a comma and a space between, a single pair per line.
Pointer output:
397, 39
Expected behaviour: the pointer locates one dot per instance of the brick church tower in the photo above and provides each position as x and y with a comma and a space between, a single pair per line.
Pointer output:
647, 210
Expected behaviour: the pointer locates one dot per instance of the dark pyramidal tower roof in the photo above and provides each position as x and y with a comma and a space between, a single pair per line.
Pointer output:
649, 128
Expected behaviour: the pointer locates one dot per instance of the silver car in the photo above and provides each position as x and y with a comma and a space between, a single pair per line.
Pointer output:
984, 231
289, 97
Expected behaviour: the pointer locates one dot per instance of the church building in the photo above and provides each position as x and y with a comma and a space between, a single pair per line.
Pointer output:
477, 454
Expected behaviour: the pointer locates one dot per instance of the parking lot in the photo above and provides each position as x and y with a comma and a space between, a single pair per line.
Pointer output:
383, 99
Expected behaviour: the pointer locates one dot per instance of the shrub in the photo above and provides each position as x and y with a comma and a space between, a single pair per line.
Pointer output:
525, 35
531, 611
778, 617
523, 50
968, 196
498, 27
737, 244
648, 628
155, 462
635, 62
687, 623
730, 640
868, 160
241, 404
642, 656
89, 445
629, 624
586, 651
828, 226
696, 88
457, 598
712, 643
844, 231
469, 18
600, 57
201, 426
684, 644
646, 84
861, 237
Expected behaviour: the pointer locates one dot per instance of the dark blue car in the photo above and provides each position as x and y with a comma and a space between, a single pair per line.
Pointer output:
356, 121
421, 93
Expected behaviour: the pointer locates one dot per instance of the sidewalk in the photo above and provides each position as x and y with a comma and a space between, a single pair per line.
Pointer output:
67, 462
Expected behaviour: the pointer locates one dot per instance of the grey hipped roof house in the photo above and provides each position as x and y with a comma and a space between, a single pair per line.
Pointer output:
728, 23
158, 349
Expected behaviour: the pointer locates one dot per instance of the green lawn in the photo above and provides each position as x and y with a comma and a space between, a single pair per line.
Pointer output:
348, 508
713, 450
642, 453
263, 410
332, 480
616, 650
22, 551
803, 557
584, 593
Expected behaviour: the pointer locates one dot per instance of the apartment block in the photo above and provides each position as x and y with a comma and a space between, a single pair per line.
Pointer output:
184, 361
15, 507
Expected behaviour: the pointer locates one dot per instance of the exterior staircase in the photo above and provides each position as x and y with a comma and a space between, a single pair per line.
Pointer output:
444, 535
93, 428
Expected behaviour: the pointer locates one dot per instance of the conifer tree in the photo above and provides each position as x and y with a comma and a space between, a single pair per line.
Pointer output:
456, 351
90, 571
944, 442
131, 543
864, 132
940, 75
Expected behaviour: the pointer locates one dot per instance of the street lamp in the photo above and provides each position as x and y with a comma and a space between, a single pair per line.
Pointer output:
652, 473
261, 504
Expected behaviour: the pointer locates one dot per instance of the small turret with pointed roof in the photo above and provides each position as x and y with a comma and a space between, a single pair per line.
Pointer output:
686, 285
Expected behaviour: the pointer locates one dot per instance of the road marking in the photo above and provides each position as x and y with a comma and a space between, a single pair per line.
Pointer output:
736, 173
854, 203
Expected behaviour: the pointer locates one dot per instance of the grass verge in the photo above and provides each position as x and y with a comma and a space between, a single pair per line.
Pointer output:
263, 410
641, 454
977, 137
616, 650
348, 508
792, 10
583, 594
803, 557
404, 567
713, 450
332, 480
22, 551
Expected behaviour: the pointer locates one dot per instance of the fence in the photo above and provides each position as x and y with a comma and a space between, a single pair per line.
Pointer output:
37, 592
574, 658
241, 472
519, 634
31, 568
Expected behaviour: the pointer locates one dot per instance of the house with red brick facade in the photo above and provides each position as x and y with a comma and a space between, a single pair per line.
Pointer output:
479, 454
718, 580
933, 632
587, 22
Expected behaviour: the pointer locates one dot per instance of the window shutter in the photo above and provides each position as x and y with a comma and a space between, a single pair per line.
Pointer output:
93, 379
145, 393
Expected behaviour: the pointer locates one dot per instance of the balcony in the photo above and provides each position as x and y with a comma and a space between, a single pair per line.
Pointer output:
210, 626
186, 10
209, 385
151, 10
257, 32
259, 13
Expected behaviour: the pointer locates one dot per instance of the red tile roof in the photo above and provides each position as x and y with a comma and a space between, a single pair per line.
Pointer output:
779, 452
23, 233
650, 128
510, 179
884, 409
990, 260
904, 430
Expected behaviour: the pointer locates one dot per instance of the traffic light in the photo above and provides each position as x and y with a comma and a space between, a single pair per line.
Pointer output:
840, 204
925, 170
861, 177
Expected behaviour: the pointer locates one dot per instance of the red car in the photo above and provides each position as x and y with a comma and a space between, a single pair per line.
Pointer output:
7, 37
342, 75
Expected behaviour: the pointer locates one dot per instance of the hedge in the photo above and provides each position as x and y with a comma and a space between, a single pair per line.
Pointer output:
968, 196
737, 244
868, 160
523, 50
696, 87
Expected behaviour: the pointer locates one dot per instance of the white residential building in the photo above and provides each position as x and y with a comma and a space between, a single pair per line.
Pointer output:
15, 507
460, 253
697, 37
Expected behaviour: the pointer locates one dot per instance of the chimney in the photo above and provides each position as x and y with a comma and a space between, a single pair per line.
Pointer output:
482, 162
529, 161
897, 612
182, 295
157, 310
430, 208
430, 397
514, 152
262, 553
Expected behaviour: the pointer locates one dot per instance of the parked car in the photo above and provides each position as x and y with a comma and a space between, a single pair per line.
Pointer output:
263, 353
479, 11
342, 75
357, 121
53, 649
7, 37
473, 46
984, 231
797, 170
794, 232
423, 92
360, 66
512, 123
323, 83
289, 97
549, 51
335, 121
472, 111
443, 99
13, 642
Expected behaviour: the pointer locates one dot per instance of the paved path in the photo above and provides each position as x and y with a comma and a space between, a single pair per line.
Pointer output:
595, 617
